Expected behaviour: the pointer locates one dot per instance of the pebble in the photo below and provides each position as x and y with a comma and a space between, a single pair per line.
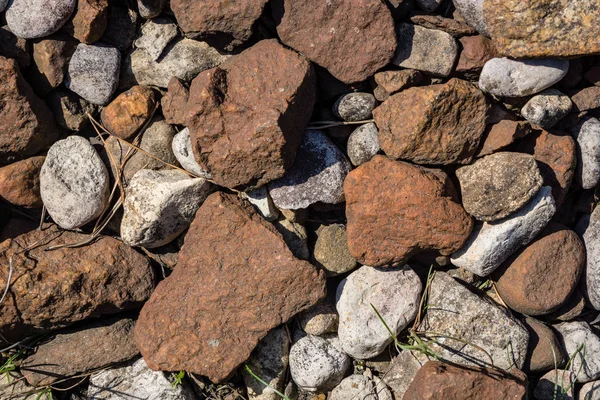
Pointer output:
331, 250
32, 19
472, 12
263, 203
503, 77
94, 72
394, 292
493, 243
151, 8
579, 335
591, 239
547, 108
587, 135
182, 148
74, 183
590, 391
320, 320
557, 384
363, 144
360, 387
156, 36
355, 106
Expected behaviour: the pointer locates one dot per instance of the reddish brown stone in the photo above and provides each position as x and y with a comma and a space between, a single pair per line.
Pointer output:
51, 57
476, 51
437, 124
54, 289
20, 182
351, 39
129, 111
235, 280
540, 278
454, 27
571, 309
390, 82
545, 351
439, 381
395, 210
586, 99
498, 136
89, 21
174, 102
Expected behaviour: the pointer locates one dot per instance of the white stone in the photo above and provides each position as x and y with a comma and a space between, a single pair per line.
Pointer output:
587, 137
360, 387
32, 19
156, 35
547, 108
472, 12
402, 371
591, 240
583, 347
363, 144
182, 148
263, 203
590, 391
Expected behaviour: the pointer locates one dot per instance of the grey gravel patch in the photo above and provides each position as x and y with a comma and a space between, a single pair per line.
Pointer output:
31, 19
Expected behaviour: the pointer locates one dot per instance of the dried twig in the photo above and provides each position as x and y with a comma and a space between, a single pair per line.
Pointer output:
331, 124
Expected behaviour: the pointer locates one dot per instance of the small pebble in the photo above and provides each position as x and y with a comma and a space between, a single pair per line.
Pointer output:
320, 320
587, 135
32, 19
331, 250
263, 203
363, 144
355, 106
547, 108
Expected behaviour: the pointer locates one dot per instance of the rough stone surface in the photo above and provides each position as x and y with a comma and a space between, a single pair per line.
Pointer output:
547, 108
20, 182
182, 149
31, 19
12, 384
151, 8
590, 391
259, 285
591, 281
544, 348
156, 36
89, 21
360, 387
586, 99
126, 114
54, 289
499, 135
472, 12
402, 371
556, 384
354, 106
587, 136
390, 82
70, 110
437, 124
575, 336
363, 144
331, 250
51, 58
476, 51
319, 320
454, 27
327, 32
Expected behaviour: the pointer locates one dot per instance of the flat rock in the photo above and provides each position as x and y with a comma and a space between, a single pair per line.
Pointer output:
586, 99
20, 182
472, 12
587, 135
151, 8
31, 19
437, 124
356, 106
182, 149
126, 114
583, 347
361, 387
156, 36
454, 27
591, 281
476, 51
547, 108
363, 144
259, 285
545, 351
390, 82
395, 210
89, 21
331, 250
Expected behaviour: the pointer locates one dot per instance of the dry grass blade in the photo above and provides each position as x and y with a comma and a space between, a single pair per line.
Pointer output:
331, 124
9, 279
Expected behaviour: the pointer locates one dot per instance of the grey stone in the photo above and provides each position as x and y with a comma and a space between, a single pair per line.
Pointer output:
151, 8
156, 36
472, 12
94, 72
74, 183
587, 137
456, 312
320, 319
3, 4
403, 369
416, 46
395, 294
70, 111
355, 106
263, 203
557, 384
317, 175
547, 108
32, 19
591, 279
363, 144
182, 149
12, 385
160, 205
583, 347
504, 77
590, 391
331, 250
360, 387
295, 236
429, 5
492, 243
495, 186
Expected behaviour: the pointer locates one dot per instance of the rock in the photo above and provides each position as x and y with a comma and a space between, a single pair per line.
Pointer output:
545, 351
70, 110
503, 77
494, 242
583, 346
394, 210
590, 391
26, 123
331, 250
54, 289
497, 185
232, 308
472, 12
13, 384
317, 364
126, 114
543, 28
14, 47
122, 26
262, 202
547, 108
501, 134
74, 183
390, 82
151, 8
327, 32
437, 124
475, 320
591, 282
586, 99
355, 106
360, 387
94, 72
393, 292
135, 380
557, 384
89, 21
573, 308
78, 350
586, 134
31, 19
156, 36
295, 237
317, 175
363, 144
402, 371
439, 381
476, 51
51, 57
182, 149
454, 27
20, 182
319, 320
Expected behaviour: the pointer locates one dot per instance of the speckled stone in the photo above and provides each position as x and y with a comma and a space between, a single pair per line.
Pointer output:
363, 144
31, 19
354, 106
547, 108
472, 12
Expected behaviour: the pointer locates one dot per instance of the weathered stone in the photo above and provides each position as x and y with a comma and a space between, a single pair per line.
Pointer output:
70, 110
151, 8
590, 391
545, 351
182, 149
20, 182
501, 134
354, 106
331, 250
583, 347
574, 307
587, 135
586, 99
89, 21
591, 239
51, 57
31, 19
126, 114
320, 319
395, 210
402, 371
454, 27
229, 308
363, 144
472, 12
390, 82
476, 51
361, 387
156, 36
547, 108
13, 385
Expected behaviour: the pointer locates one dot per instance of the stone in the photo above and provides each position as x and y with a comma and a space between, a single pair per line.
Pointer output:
593, 75
454, 27
13, 385
586, 99
573, 308
78, 350
501, 134
360, 387
317, 175
356, 106
327, 32
54, 289
394, 210
590, 391
541, 277
94, 72
545, 351
14, 47
472, 12
394, 292
503, 77
497, 185
151, 8
156, 36
428, 5
317, 364
51, 57
26, 123
402, 371
320, 319
182, 149
160, 205
20, 182
476, 51
122, 26
415, 45
391, 82
32, 19
295, 237
126, 114
582, 345
437, 124
557, 384
363, 144
544, 28
331, 250
230, 309
547, 108
262, 202
475, 320
591, 280
493, 243
587, 134
89, 21
70, 110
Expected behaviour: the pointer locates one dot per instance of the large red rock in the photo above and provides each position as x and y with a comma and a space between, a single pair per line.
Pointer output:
235, 280
351, 39
396, 210
20, 182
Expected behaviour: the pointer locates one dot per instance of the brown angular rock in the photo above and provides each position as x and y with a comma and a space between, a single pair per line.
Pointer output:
129, 111
543, 349
437, 124
20, 182
476, 51
51, 57
235, 280
390, 82
328, 32
499, 135
54, 289
26, 123
395, 210
540, 278
452, 26
89, 21
586, 99
544, 28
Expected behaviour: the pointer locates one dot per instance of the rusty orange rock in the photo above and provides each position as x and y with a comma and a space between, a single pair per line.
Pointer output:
20, 182
129, 111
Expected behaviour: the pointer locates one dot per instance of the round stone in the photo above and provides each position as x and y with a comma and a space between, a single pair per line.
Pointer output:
363, 144
31, 19
354, 106
331, 250
547, 108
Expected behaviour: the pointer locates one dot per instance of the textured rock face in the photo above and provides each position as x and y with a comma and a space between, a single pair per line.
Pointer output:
182, 149
31, 19
544, 28
156, 36
363, 144
326, 32
437, 124
476, 51
258, 284
51, 57
472, 12
575, 337
70, 110
390, 82
558, 383
320, 319
501, 134
355, 106
402, 371
129, 111
68, 285
331, 250
89, 21
592, 270
20, 182
586, 99
395, 210
544, 347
